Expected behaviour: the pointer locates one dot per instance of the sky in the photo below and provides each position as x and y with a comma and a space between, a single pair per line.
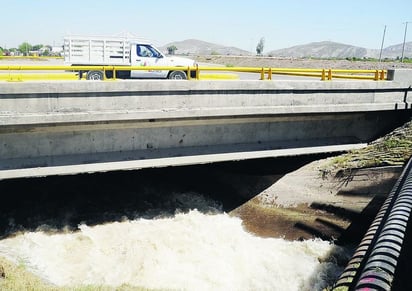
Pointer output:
235, 23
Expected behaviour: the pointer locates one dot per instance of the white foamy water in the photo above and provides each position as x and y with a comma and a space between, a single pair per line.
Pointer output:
191, 251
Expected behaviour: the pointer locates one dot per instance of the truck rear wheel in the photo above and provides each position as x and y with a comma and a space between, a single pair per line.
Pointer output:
177, 75
94, 75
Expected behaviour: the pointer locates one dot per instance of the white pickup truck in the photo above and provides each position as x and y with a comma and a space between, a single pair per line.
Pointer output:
122, 51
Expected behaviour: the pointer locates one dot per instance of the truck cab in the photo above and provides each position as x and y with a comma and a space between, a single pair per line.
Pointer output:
146, 55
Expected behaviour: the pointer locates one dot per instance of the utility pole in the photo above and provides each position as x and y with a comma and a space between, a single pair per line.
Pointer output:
404, 39
383, 40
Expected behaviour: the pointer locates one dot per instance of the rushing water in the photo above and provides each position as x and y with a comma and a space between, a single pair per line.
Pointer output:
167, 239
189, 251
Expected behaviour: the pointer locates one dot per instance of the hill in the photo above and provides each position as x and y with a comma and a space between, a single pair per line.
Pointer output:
395, 51
198, 47
321, 50
328, 49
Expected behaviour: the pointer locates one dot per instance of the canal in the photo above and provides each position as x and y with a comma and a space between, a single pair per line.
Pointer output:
176, 228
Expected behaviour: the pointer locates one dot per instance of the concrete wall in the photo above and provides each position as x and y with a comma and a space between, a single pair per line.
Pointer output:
93, 101
58, 124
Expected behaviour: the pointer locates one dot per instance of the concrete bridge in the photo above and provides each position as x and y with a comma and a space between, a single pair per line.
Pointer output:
50, 128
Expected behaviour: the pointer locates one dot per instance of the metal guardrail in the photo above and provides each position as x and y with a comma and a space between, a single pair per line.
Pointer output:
373, 265
265, 73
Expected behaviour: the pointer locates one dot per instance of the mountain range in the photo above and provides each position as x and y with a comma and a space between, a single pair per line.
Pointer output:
323, 49
199, 47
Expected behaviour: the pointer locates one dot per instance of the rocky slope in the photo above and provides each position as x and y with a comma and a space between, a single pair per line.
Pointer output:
323, 50
328, 49
198, 47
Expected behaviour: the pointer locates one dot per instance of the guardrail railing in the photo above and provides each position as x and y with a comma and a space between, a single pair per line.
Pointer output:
16, 72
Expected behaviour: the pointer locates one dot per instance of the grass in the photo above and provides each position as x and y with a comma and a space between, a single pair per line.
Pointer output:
394, 149
15, 277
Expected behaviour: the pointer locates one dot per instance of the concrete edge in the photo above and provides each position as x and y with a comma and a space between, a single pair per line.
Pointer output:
172, 161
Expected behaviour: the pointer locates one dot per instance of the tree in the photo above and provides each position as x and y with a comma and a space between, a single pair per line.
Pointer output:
46, 53
24, 48
37, 47
260, 45
171, 49
46, 50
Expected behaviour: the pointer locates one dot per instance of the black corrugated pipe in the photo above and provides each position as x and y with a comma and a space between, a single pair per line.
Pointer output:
373, 265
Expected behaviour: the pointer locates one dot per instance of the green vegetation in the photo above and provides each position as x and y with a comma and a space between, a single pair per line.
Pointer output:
391, 150
26, 49
260, 46
171, 49
374, 60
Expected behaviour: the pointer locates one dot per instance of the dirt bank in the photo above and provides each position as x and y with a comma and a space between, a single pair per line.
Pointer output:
306, 204
333, 198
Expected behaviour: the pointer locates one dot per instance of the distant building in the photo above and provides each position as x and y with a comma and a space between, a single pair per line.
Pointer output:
58, 50
48, 50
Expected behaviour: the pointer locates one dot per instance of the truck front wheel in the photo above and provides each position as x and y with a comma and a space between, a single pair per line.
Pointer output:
177, 75
94, 75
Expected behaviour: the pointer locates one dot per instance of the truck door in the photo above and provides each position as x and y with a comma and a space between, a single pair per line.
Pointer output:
146, 56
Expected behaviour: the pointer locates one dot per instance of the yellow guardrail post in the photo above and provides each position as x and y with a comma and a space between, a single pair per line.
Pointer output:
188, 72
376, 75
330, 74
114, 73
382, 74
270, 74
323, 76
262, 74
197, 72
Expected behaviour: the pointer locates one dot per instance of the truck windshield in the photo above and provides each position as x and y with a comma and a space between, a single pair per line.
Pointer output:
147, 51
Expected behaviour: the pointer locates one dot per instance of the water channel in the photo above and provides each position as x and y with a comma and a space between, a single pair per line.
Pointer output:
168, 228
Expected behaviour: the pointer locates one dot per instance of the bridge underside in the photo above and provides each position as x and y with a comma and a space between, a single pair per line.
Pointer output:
43, 150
